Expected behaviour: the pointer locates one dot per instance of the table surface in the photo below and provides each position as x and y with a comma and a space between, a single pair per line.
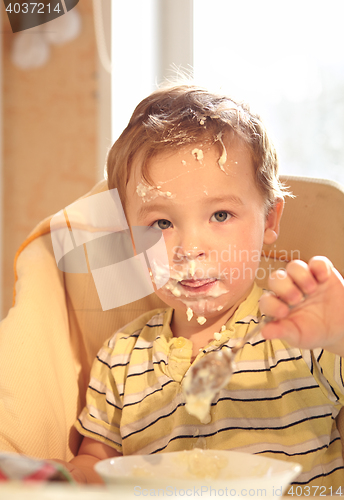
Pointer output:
64, 491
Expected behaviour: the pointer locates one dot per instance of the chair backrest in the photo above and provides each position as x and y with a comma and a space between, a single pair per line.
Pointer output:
57, 325
312, 222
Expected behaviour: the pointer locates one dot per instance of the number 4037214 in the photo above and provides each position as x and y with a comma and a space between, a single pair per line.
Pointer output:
318, 491
32, 7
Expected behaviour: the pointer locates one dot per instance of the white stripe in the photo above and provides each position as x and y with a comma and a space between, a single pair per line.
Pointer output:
247, 320
137, 397
136, 369
306, 476
110, 396
249, 394
337, 375
294, 449
148, 419
142, 343
158, 319
185, 430
227, 423
120, 333
269, 362
272, 422
192, 431
100, 415
110, 360
323, 380
96, 428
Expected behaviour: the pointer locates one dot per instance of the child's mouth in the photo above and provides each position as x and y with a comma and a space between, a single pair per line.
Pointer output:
198, 285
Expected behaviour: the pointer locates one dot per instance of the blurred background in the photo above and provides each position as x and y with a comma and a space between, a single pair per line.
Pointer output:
68, 88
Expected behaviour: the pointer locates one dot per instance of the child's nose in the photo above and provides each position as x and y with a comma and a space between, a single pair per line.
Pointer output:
191, 253
190, 248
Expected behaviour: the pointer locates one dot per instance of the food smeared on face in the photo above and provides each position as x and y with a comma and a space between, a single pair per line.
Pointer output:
198, 154
149, 193
223, 158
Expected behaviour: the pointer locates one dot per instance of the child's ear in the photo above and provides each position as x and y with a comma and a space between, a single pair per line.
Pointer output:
272, 222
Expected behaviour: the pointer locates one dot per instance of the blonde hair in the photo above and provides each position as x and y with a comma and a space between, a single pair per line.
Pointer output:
184, 114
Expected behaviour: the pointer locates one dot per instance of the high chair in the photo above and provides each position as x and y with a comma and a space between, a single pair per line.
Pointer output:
56, 324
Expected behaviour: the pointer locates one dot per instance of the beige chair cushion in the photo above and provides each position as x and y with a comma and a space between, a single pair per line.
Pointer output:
56, 326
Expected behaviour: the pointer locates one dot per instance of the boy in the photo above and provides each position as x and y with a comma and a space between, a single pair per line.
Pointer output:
201, 168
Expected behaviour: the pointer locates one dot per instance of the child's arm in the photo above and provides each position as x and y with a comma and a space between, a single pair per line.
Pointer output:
317, 289
81, 467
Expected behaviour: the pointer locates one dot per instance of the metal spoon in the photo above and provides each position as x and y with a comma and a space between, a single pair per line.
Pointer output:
214, 370
211, 373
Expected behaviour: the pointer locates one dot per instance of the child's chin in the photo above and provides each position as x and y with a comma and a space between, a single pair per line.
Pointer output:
208, 308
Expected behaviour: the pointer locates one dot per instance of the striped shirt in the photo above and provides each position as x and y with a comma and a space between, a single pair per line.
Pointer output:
280, 402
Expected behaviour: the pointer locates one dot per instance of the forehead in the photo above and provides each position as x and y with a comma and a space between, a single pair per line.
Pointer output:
218, 165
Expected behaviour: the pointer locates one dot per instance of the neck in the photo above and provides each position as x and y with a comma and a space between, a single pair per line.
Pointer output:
200, 335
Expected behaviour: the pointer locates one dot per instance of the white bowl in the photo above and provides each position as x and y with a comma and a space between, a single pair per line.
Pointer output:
199, 473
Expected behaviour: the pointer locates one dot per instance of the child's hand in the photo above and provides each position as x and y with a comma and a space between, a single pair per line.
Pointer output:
77, 474
316, 290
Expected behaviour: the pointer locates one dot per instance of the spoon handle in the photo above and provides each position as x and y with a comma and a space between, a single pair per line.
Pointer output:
251, 334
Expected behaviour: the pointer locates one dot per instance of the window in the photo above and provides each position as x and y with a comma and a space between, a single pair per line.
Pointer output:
287, 60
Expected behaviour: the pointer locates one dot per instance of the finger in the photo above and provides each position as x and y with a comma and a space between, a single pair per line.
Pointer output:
284, 287
321, 268
270, 305
302, 276
282, 329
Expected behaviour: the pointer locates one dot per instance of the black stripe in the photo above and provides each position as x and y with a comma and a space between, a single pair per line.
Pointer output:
297, 358
320, 356
112, 366
154, 422
147, 395
153, 326
160, 361
235, 428
141, 373
104, 394
126, 337
269, 427
97, 434
224, 429
272, 398
316, 477
241, 322
280, 452
301, 453
142, 348
322, 373
132, 336
333, 391
253, 344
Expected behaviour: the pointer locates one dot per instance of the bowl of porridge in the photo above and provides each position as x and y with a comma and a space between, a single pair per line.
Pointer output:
199, 472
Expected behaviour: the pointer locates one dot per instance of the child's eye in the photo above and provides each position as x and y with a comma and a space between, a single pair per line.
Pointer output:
220, 216
162, 224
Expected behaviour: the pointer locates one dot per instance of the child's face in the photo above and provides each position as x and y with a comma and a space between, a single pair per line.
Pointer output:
214, 224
